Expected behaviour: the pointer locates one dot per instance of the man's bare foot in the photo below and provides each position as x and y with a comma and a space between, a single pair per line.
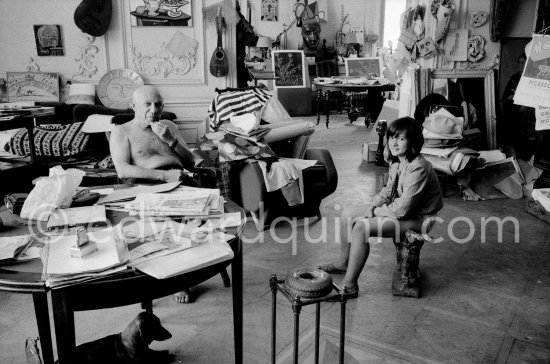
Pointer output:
334, 267
183, 296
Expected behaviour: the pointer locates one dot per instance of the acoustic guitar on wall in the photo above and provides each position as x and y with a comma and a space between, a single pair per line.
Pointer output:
219, 66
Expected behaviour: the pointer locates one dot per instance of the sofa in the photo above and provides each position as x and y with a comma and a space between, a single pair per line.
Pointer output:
59, 140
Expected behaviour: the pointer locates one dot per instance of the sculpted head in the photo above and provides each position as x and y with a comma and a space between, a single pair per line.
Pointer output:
147, 104
311, 34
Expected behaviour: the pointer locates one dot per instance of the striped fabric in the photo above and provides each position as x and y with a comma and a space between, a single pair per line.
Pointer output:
233, 103
51, 141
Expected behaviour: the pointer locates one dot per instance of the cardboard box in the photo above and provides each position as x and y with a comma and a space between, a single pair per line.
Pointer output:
369, 152
535, 208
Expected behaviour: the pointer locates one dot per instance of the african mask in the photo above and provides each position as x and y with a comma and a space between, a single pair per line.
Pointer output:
478, 18
444, 13
476, 43
426, 47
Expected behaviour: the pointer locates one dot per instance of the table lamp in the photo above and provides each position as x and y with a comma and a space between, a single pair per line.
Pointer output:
264, 43
352, 41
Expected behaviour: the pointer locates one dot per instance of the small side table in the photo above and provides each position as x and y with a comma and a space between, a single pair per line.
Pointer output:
261, 75
297, 304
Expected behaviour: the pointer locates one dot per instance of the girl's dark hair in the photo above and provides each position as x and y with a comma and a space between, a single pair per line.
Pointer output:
409, 128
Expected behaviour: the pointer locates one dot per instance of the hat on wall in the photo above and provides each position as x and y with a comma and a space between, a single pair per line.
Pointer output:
93, 16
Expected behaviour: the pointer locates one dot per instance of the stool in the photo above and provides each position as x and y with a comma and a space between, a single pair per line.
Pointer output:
297, 303
406, 276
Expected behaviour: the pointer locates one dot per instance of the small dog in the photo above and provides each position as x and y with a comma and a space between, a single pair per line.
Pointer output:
129, 346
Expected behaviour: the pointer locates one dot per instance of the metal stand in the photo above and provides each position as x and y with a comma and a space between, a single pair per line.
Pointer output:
297, 304
381, 130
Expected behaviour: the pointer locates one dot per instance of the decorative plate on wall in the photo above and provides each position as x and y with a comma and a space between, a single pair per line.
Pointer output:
116, 87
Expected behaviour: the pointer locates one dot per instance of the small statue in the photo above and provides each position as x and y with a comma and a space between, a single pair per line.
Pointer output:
311, 31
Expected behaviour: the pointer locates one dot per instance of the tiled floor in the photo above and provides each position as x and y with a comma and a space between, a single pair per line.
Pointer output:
483, 302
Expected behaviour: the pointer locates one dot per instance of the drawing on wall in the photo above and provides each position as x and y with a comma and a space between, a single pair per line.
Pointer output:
48, 40
365, 67
161, 13
456, 45
290, 68
270, 10
33, 86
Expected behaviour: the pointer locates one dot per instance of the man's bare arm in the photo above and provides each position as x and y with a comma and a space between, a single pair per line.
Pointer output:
169, 133
120, 152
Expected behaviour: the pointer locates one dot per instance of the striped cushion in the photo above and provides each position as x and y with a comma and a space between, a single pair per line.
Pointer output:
234, 103
49, 140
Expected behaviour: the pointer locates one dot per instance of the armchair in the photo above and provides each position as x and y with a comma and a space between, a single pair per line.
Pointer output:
287, 138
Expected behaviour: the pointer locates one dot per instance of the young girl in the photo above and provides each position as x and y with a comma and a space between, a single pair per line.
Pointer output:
411, 195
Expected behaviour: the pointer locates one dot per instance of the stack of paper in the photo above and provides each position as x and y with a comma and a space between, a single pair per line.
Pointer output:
61, 269
87, 215
184, 201
214, 251
253, 135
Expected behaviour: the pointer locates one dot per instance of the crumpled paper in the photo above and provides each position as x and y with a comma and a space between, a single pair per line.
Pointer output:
49, 193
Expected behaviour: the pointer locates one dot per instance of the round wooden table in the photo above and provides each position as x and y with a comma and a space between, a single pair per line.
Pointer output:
117, 289
371, 104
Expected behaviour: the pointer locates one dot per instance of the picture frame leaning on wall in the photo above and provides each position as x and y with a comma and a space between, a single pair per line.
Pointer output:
364, 67
32, 86
290, 68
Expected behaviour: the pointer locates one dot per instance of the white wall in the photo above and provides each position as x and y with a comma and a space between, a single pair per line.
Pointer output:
188, 95
365, 13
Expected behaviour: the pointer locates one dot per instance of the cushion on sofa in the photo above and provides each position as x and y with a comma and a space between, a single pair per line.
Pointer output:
49, 140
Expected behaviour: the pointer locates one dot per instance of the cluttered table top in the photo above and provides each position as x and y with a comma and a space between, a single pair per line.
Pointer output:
134, 230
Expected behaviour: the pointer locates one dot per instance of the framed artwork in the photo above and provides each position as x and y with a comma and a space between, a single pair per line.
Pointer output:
270, 10
48, 40
365, 67
32, 86
456, 45
161, 13
290, 68
3, 88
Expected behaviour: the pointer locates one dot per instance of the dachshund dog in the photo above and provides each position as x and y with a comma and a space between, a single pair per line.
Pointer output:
129, 346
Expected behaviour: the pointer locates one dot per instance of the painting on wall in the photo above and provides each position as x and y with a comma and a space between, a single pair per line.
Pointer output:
364, 67
456, 45
161, 13
3, 88
270, 10
290, 68
32, 86
48, 40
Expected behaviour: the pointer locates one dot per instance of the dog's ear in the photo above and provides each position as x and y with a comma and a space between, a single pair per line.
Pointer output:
151, 329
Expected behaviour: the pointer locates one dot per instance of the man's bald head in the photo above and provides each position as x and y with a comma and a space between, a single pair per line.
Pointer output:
147, 104
146, 92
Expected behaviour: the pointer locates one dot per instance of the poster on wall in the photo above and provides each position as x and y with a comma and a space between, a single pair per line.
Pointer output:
534, 85
456, 45
48, 40
290, 68
32, 86
270, 10
161, 13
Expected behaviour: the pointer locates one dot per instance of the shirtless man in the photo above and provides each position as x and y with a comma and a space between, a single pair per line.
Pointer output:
149, 148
